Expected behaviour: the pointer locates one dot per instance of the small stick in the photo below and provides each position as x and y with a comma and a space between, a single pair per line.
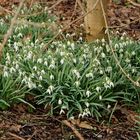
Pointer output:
10, 30
73, 129
16, 136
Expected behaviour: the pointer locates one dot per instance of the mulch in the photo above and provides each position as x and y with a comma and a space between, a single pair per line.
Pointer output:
19, 124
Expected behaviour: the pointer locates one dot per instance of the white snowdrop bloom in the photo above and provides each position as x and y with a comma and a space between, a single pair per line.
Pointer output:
74, 60
17, 66
127, 60
80, 39
109, 69
42, 72
133, 70
62, 61
31, 85
20, 35
59, 101
5, 74
12, 70
62, 112
133, 53
103, 55
77, 83
121, 50
101, 72
108, 106
40, 85
62, 53
67, 35
39, 60
116, 46
51, 77
98, 89
100, 97
68, 43
29, 55
88, 93
89, 75
111, 84
87, 104
35, 68
15, 46
46, 63
103, 40
106, 85
40, 78
32, 75
52, 66
84, 56
76, 73
36, 41
50, 89
8, 57
72, 46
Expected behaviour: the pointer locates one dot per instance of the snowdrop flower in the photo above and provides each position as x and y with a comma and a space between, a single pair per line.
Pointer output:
98, 89
100, 97
8, 57
133, 53
76, 73
72, 46
51, 77
80, 39
29, 55
89, 75
108, 106
101, 72
62, 53
42, 72
127, 60
88, 93
87, 104
35, 68
46, 63
59, 101
103, 55
62, 112
67, 35
74, 60
5, 74
12, 70
62, 61
40, 78
20, 35
109, 69
68, 43
77, 83
39, 60
50, 89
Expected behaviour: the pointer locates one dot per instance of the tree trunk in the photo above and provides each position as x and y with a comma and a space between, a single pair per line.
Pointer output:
94, 21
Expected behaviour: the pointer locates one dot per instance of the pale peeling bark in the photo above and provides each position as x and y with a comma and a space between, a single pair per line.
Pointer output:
94, 21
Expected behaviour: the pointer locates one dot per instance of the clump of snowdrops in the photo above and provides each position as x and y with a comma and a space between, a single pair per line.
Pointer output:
73, 78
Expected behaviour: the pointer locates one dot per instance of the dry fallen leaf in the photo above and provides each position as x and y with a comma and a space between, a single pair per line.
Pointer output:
81, 124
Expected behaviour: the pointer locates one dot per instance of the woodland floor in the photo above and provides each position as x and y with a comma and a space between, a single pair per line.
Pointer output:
19, 124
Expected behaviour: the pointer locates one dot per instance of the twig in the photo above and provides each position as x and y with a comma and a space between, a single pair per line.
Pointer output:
73, 129
134, 3
10, 30
67, 26
16, 136
110, 45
